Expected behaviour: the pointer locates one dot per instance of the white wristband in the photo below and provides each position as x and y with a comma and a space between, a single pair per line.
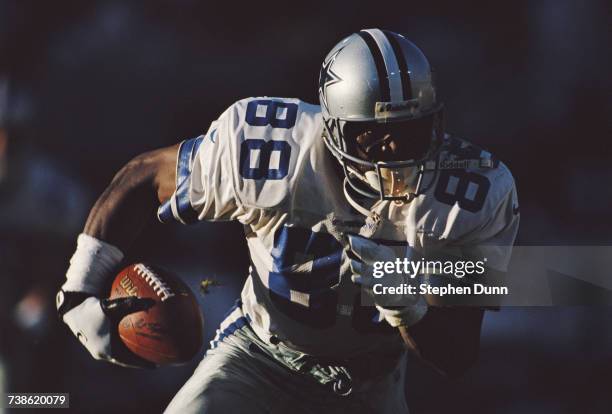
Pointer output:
91, 265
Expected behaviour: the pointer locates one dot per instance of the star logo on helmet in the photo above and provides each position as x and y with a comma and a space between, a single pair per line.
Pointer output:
328, 77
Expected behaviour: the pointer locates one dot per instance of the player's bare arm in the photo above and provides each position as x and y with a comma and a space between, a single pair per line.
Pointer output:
113, 223
132, 197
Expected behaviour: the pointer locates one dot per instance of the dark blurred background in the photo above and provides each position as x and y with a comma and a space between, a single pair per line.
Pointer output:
86, 85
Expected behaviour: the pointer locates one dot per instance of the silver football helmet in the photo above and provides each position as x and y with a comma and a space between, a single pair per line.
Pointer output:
379, 79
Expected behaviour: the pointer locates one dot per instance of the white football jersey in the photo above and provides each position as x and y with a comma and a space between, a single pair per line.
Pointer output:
264, 163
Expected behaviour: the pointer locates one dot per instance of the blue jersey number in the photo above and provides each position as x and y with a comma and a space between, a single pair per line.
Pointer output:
305, 295
274, 113
253, 148
306, 267
256, 155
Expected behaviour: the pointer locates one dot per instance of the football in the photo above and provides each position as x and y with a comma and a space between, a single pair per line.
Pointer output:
171, 331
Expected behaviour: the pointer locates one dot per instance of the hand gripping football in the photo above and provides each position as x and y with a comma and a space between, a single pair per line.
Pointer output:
171, 331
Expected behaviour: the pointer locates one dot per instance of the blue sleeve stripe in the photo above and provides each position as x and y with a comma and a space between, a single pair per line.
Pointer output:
186, 155
196, 147
184, 211
182, 163
178, 208
168, 212
164, 212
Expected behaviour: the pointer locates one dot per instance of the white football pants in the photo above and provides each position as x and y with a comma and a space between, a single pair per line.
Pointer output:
236, 376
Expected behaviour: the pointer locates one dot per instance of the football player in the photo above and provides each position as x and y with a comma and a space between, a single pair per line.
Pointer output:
322, 191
